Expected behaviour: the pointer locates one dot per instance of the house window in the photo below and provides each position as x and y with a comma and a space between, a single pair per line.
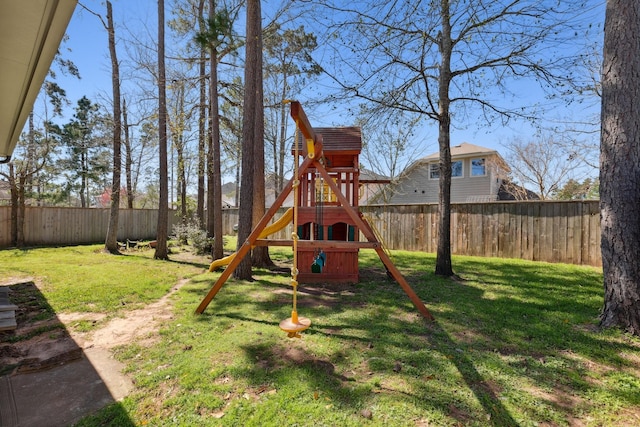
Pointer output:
434, 171
478, 167
456, 169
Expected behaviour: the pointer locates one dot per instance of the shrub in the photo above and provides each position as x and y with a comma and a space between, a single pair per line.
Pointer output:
192, 234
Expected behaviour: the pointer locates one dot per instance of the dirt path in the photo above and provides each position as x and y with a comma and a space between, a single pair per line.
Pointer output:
140, 325
50, 345
69, 374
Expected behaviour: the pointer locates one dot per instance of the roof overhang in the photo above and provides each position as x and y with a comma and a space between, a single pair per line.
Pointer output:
30, 34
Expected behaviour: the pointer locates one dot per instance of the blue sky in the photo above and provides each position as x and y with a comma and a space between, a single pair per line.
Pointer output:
87, 43
89, 51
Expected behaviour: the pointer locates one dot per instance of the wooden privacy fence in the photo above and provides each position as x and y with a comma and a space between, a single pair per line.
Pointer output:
68, 226
553, 231
567, 232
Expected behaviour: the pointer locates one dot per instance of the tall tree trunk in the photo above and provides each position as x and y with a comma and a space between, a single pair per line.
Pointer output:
128, 162
217, 249
260, 255
202, 122
13, 191
213, 86
443, 252
236, 199
249, 120
17, 195
276, 165
30, 156
111, 241
83, 179
21, 180
182, 180
177, 126
163, 207
620, 168
210, 177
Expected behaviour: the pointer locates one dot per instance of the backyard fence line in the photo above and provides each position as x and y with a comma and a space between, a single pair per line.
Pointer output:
51, 226
553, 231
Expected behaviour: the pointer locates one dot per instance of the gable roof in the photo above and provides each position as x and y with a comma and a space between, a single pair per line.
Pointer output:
463, 150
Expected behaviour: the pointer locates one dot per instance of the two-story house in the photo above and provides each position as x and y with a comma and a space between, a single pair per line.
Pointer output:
478, 174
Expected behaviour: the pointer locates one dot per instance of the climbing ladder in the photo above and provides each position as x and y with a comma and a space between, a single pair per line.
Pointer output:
376, 233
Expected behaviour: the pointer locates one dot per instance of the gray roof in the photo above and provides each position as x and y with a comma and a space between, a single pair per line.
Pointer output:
463, 150
368, 175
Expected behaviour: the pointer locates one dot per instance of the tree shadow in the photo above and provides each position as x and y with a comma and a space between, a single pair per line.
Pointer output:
381, 335
519, 320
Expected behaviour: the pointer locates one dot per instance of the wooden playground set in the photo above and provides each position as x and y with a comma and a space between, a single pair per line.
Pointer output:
325, 217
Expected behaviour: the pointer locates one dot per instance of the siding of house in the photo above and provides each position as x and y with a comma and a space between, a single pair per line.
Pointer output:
472, 188
416, 187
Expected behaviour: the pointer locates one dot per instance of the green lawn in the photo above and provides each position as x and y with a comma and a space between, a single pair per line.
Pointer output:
514, 343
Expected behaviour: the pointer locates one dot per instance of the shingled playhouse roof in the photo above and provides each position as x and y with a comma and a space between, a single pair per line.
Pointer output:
346, 139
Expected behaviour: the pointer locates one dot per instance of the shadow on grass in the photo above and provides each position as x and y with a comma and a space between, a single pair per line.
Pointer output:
282, 364
385, 339
172, 259
508, 328
403, 340
322, 374
112, 415
483, 388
